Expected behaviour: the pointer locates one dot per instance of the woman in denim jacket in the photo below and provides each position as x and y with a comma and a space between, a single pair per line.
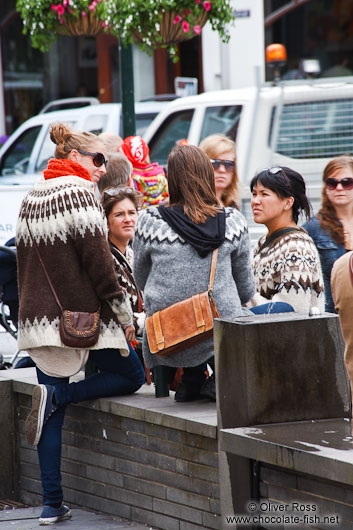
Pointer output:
332, 228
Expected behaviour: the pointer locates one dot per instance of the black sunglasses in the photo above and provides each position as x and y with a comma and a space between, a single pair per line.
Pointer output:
346, 183
228, 165
98, 158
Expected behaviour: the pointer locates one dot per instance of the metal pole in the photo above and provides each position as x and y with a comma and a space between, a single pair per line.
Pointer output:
127, 90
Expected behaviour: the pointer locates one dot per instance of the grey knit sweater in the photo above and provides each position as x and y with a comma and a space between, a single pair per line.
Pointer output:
168, 270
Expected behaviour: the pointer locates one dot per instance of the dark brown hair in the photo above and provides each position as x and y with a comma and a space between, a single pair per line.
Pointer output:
191, 182
214, 146
119, 170
327, 213
109, 201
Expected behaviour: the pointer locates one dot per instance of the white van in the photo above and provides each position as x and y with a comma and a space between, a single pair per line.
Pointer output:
26, 153
299, 124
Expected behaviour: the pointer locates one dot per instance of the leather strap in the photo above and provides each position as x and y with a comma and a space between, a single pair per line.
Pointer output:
158, 331
200, 323
44, 268
213, 270
351, 268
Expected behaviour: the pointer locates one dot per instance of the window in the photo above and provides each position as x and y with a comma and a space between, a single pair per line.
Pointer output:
315, 129
95, 123
223, 119
176, 127
16, 159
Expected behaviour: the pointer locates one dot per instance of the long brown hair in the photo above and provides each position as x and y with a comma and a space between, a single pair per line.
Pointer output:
191, 182
327, 214
214, 146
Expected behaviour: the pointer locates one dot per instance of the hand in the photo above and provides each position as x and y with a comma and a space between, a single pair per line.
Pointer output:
129, 333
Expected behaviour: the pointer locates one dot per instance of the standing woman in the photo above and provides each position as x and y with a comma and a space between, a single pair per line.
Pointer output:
221, 151
173, 250
332, 228
286, 262
62, 219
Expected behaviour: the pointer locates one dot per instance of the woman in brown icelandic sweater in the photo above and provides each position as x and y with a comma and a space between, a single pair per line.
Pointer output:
67, 224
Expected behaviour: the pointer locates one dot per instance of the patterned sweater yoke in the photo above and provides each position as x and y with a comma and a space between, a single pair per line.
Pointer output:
70, 231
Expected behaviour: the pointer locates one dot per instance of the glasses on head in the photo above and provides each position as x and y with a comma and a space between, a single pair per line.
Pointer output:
113, 192
228, 165
346, 183
98, 158
275, 170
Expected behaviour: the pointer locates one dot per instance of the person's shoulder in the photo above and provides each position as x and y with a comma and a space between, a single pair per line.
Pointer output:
312, 224
234, 218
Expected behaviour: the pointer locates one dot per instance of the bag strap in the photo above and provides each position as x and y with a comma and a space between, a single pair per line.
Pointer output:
44, 268
351, 267
277, 235
213, 270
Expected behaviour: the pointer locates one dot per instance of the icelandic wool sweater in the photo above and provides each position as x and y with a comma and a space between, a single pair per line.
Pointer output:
288, 270
168, 269
69, 228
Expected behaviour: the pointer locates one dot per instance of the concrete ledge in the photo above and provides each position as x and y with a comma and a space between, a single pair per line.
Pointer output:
148, 460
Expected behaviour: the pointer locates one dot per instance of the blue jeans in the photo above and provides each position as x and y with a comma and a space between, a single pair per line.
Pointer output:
117, 376
272, 307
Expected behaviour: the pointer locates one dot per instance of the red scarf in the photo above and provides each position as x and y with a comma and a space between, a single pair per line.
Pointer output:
60, 167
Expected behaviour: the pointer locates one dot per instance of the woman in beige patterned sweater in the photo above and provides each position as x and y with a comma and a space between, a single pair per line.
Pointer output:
286, 262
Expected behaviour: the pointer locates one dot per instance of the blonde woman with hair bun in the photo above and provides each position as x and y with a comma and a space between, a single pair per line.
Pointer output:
61, 218
221, 151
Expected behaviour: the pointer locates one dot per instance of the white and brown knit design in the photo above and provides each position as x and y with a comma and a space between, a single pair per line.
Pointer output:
68, 226
289, 270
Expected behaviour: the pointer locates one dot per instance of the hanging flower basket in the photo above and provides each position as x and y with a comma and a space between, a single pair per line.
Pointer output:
171, 32
84, 25
155, 23
44, 19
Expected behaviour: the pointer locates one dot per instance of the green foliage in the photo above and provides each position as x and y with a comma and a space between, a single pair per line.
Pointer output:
43, 19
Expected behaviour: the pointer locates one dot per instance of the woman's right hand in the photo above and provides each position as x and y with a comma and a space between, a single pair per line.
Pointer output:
129, 333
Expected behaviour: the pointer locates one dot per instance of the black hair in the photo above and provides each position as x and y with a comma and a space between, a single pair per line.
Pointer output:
285, 182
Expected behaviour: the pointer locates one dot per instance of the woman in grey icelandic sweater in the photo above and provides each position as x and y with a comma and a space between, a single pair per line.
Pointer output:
173, 249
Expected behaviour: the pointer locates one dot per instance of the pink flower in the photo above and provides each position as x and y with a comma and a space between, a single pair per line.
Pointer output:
177, 20
185, 25
198, 1
60, 9
92, 7
83, 13
186, 12
197, 29
104, 25
207, 5
65, 3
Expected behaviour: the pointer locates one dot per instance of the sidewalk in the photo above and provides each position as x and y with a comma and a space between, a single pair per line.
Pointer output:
27, 519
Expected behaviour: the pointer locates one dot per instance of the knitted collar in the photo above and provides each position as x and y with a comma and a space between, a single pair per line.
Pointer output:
63, 167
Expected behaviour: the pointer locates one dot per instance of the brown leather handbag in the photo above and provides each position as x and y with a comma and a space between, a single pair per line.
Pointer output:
185, 323
78, 329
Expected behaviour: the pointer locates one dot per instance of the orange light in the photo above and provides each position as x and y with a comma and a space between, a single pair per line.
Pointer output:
276, 53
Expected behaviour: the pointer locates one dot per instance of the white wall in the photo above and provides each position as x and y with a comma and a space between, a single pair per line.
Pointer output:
143, 74
2, 105
232, 65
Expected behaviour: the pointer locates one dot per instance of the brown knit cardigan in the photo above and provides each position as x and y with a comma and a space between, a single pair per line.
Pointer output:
69, 228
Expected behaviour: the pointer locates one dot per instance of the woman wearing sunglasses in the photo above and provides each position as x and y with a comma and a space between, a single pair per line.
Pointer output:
332, 228
61, 215
286, 262
221, 151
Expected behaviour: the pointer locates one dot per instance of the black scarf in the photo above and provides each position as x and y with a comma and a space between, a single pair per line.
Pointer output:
203, 237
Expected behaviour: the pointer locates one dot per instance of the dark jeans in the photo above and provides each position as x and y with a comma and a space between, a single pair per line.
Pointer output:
196, 375
117, 376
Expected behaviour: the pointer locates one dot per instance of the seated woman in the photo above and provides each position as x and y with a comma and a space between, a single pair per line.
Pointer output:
286, 262
173, 249
121, 207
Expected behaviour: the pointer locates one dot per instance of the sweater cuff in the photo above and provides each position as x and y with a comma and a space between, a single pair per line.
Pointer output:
122, 310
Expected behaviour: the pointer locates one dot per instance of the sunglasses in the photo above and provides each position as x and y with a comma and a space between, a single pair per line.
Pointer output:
346, 183
98, 158
228, 165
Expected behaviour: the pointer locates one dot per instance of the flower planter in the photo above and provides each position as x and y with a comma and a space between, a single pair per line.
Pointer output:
80, 26
170, 32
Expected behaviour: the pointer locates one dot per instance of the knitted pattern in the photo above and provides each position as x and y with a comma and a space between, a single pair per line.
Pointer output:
289, 271
69, 228
168, 269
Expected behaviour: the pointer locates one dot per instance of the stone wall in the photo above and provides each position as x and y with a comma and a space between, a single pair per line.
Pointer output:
128, 461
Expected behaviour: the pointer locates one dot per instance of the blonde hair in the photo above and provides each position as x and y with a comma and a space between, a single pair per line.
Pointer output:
214, 146
111, 141
66, 140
